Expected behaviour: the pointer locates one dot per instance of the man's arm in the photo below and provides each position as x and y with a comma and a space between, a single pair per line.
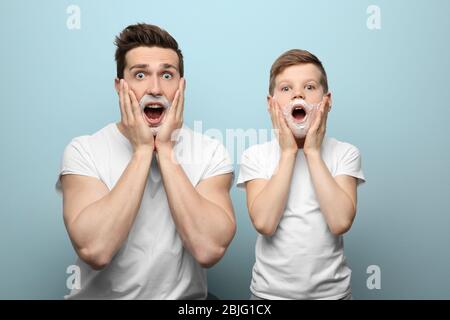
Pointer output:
98, 220
203, 215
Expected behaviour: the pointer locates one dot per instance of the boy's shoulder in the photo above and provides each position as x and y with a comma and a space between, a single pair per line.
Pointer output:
266, 148
333, 148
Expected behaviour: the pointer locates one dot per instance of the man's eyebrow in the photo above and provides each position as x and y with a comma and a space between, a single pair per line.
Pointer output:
169, 66
145, 66
139, 66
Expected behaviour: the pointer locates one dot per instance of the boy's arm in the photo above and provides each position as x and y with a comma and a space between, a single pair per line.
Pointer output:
336, 196
266, 199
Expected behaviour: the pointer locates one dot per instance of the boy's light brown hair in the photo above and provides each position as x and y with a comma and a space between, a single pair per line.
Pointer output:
292, 58
144, 35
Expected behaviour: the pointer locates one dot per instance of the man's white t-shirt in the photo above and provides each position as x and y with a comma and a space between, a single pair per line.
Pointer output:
152, 262
303, 259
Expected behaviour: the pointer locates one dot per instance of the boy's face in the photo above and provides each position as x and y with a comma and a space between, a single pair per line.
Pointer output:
153, 75
301, 81
298, 92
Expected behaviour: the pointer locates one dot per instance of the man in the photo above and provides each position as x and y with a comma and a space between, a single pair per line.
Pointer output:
146, 200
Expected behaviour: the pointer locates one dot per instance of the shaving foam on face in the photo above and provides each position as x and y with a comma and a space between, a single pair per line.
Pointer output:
150, 101
299, 116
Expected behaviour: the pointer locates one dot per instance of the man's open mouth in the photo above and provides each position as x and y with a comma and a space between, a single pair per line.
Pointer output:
154, 113
298, 113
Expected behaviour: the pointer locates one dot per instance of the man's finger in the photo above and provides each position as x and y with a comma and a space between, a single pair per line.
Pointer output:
121, 103
180, 107
135, 106
126, 98
173, 108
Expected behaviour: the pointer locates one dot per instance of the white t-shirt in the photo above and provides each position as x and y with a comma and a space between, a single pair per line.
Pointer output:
152, 263
303, 259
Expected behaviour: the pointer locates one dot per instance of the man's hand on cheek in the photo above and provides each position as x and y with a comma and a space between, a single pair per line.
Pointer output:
132, 120
173, 120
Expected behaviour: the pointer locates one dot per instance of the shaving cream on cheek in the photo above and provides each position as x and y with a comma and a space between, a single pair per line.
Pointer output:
299, 116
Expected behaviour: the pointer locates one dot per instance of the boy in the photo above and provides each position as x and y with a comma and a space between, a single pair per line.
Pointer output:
301, 189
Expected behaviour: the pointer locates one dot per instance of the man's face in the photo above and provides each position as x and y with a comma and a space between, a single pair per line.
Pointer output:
153, 75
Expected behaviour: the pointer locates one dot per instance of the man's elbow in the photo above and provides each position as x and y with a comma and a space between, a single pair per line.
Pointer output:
96, 259
208, 257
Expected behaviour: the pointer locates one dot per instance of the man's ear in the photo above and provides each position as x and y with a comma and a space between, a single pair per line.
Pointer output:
269, 100
330, 102
117, 84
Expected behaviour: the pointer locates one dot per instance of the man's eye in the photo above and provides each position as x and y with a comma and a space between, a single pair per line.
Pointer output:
309, 87
167, 76
140, 75
285, 88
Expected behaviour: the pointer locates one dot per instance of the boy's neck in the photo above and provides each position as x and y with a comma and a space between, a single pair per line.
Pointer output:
300, 142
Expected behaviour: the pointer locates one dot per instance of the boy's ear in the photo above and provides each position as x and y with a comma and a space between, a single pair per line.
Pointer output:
269, 100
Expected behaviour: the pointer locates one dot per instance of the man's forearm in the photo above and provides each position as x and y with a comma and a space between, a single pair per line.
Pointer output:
205, 228
101, 228
268, 206
335, 204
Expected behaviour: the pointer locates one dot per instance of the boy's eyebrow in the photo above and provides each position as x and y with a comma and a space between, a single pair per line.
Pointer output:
307, 80
146, 66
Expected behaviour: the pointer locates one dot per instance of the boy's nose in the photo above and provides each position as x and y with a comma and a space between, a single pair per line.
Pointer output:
298, 95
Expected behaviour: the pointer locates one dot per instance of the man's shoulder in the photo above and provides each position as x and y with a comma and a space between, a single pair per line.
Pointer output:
97, 141
198, 140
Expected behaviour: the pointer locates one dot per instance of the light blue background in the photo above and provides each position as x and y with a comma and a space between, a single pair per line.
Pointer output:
391, 99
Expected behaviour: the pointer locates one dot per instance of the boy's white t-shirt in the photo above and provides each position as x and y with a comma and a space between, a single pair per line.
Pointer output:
303, 259
152, 263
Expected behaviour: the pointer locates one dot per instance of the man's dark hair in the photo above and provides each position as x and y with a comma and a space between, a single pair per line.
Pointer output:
144, 35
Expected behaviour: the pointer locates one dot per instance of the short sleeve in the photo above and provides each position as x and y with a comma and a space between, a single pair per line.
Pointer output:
350, 164
220, 163
77, 159
251, 167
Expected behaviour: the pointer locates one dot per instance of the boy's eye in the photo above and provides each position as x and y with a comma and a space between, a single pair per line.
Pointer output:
140, 75
167, 76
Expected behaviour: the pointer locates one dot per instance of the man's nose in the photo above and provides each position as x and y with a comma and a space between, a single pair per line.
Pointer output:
154, 87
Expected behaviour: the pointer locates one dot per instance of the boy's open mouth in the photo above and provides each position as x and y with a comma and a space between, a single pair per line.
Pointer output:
298, 113
154, 113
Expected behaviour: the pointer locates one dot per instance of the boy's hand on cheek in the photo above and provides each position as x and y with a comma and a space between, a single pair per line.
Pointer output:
316, 132
284, 134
